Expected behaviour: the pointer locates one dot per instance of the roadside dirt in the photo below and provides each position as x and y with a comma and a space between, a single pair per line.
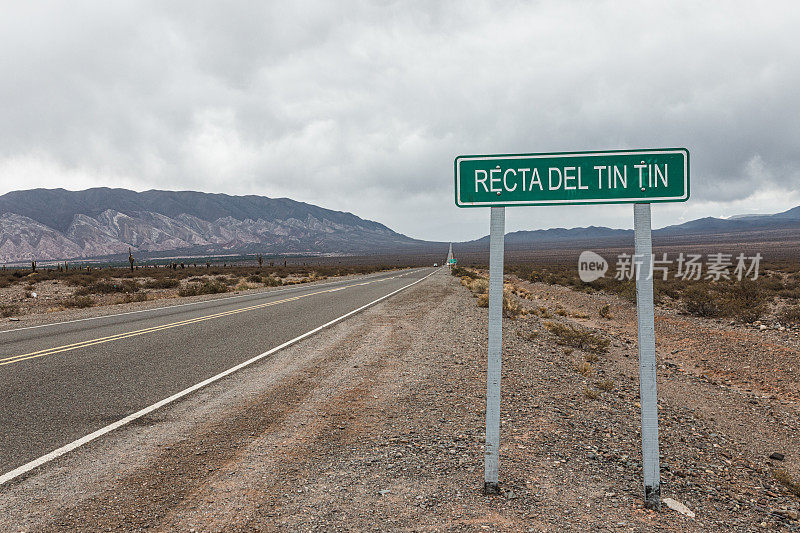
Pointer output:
377, 424
47, 306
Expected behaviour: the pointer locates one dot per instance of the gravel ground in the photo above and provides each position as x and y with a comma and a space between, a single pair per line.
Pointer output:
377, 424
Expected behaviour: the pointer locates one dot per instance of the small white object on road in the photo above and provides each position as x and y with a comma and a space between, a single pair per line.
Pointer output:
678, 506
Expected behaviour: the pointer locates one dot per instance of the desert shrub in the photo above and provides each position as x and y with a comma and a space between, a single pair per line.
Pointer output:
791, 294
590, 393
529, 335
207, 287
787, 480
699, 300
479, 286
272, 281
669, 288
79, 302
460, 272
746, 300
104, 287
577, 338
162, 283
254, 278
138, 297
605, 385
605, 311
585, 368
770, 283
511, 306
243, 286
9, 310
790, 315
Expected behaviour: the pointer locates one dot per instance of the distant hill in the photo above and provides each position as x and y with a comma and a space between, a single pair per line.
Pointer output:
740, 227
56, 224
48, 224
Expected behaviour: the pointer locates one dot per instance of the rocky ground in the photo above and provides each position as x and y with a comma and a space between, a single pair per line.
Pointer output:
377, 424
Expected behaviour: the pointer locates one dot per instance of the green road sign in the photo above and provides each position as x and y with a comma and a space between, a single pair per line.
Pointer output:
452, 261
612, 176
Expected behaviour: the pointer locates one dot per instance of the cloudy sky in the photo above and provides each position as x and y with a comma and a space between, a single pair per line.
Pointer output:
362, 106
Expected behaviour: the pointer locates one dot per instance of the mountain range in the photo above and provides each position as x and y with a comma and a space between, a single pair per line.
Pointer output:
53, 224
740, 228
56, 224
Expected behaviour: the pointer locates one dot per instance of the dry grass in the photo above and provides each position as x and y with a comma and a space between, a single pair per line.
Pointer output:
208, 287
138, 297
585, 368
9, 310
577, 338
244, 286
529, 335
787, 481
605, 312
79, 302
164, 283
746, 300
591, 393
511, 307
790, 315
272, 281
605, 385
479, 286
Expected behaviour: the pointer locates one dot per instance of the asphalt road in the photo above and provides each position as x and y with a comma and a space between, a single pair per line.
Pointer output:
63, 381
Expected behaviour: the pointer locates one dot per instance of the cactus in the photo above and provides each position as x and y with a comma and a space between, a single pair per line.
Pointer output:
130, 258
260, 261
33, 265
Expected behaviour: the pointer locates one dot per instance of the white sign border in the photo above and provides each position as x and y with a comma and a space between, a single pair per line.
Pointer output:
682, 151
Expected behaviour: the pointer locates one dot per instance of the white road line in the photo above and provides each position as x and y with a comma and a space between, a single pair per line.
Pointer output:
27, 467
182, 305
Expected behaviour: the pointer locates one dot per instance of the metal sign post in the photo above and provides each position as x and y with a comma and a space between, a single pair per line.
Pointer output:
639, 177
647, 355
496, 251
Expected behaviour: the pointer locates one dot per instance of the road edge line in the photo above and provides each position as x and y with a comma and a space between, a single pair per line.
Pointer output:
27, 467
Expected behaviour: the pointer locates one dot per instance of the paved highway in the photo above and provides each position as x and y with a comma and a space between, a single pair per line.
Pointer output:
63, 381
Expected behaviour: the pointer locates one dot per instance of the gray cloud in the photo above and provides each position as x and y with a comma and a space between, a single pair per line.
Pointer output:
363, 106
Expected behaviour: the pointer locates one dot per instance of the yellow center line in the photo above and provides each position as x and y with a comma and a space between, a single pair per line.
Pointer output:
118, 336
